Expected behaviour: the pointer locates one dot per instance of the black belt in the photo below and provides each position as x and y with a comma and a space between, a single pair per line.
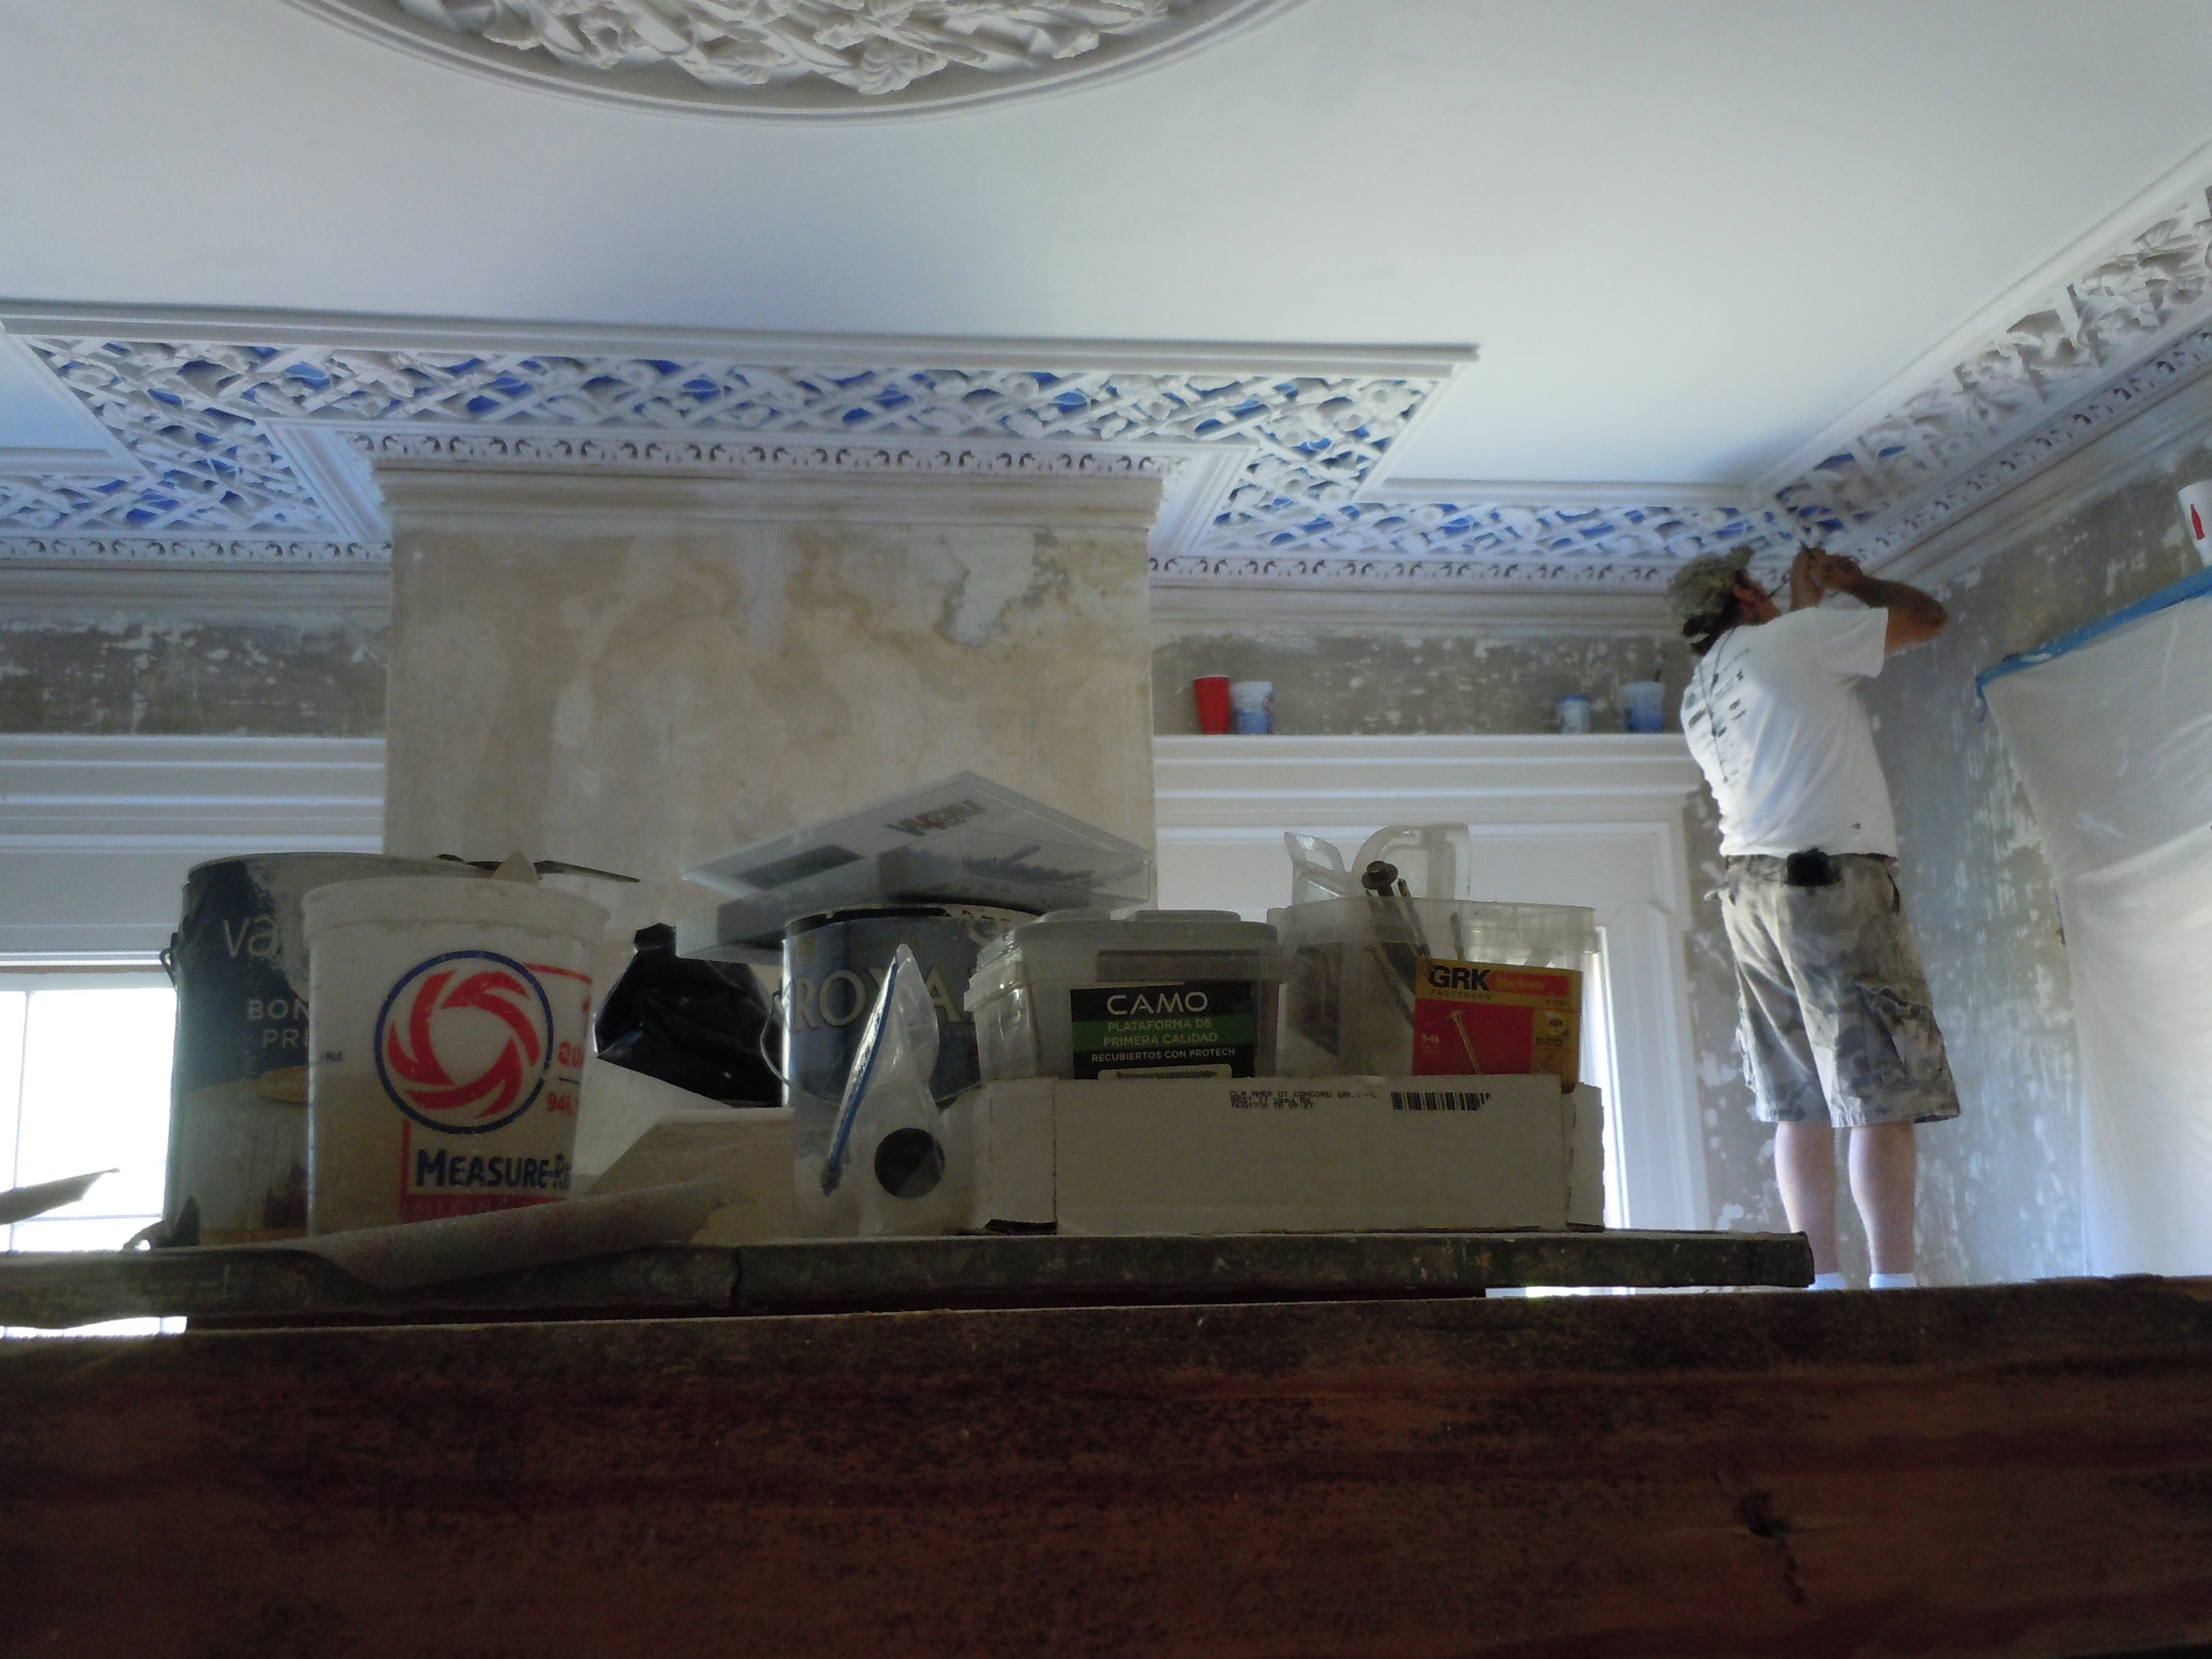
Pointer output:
1810, 868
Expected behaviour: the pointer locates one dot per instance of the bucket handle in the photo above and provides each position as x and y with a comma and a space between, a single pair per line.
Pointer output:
775, 1024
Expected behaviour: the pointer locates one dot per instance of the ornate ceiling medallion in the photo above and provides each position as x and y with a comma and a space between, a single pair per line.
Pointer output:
800, 58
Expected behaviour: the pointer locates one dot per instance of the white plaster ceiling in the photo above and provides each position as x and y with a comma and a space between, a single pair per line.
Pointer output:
1701, 247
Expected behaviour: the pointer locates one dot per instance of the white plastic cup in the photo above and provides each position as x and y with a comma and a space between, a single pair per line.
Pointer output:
446, 1030
1643, 706
1574, 712
1252, 706
2196, 518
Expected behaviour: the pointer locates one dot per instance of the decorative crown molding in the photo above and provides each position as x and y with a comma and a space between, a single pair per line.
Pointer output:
252, 440
2090, 339
808, 59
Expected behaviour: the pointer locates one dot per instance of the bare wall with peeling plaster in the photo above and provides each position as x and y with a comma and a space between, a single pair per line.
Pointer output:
113, 674
2001, 1192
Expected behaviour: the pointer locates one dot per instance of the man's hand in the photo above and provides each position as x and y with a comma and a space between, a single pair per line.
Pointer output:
1913, 616
1806, 587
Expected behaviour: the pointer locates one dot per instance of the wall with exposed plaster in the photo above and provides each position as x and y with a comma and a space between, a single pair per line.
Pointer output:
69, 667
2000, 1188
1452, 680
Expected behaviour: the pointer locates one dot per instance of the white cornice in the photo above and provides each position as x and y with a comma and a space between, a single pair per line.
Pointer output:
2125, 452
2030, 293
570, 505
186, 792
1179, 611
363, 331
202, 593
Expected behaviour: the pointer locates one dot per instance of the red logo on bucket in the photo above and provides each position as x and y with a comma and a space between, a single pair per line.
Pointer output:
464, 1040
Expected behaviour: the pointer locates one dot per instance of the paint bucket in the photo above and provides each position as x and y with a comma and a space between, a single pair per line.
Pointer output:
833, 966
447, 1035
238, 1081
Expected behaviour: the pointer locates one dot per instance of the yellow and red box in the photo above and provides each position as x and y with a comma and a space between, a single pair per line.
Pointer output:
1472, 1018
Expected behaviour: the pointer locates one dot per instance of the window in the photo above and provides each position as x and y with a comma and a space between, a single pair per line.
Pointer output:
84, 1085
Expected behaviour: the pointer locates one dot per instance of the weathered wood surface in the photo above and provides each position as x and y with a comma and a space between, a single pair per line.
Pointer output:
52, 1292
2023, 1471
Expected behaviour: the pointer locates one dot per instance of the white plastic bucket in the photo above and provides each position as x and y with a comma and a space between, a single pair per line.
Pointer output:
447, 1036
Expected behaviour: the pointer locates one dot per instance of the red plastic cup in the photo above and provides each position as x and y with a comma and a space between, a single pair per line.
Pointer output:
1212, 692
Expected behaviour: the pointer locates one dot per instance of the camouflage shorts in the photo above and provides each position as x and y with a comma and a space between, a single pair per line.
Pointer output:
1837, 1026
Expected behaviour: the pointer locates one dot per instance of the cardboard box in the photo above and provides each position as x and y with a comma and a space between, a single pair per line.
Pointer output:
1287, 1154
1471, 1018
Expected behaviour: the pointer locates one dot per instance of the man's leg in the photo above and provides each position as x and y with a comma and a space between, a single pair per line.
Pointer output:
1883, 1159
1805, 1169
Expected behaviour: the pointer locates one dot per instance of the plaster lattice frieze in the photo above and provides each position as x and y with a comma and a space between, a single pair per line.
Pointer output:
1574, 534
202, 419
2171, 368
2093, 329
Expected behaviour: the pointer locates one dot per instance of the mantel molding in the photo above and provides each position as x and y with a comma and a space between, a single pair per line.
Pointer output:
1203, 781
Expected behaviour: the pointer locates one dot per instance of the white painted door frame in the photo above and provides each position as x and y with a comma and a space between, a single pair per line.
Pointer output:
1581, 820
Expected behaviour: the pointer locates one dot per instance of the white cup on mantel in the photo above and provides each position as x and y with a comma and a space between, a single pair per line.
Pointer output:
2196, 518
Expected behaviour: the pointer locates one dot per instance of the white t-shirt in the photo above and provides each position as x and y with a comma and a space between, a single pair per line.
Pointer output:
1773, 716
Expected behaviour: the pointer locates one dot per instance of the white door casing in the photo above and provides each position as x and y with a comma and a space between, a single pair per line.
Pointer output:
1594, 821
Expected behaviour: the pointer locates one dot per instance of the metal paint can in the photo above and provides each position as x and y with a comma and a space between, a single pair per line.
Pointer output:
833, 966
238, 1082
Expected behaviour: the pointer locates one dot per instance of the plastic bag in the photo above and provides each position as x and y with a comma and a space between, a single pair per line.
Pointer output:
903, 1160
699, 1025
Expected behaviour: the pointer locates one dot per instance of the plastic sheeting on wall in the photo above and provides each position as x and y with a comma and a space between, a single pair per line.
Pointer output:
2111, 731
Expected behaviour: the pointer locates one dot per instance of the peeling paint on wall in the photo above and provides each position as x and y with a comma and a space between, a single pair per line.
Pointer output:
317, 677
2001, 1189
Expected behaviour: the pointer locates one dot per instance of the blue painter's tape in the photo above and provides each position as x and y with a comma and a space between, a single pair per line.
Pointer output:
2189, 588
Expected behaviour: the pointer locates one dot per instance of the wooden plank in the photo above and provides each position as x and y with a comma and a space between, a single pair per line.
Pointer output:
2019, 1470
56, 1292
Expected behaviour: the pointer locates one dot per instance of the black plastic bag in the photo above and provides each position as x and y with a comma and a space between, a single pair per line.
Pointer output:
699, 1025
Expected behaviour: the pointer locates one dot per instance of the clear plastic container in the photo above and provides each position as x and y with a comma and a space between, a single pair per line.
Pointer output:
1162, 993
1349, 967
963, 841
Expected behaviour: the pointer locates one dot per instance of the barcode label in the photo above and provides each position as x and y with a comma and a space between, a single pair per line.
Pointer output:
1436, 1100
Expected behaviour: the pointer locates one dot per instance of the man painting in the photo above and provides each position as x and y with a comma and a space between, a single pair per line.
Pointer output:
1836, 1031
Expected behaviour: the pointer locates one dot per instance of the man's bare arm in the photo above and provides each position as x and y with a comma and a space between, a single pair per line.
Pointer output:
1913, 616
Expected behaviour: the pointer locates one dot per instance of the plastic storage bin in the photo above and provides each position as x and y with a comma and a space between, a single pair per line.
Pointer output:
964, 840
1350, 996
1163, 994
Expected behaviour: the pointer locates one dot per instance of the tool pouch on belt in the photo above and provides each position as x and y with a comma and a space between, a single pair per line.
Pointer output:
1812, 868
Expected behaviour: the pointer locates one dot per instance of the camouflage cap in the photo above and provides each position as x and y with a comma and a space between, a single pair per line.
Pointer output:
1702, 587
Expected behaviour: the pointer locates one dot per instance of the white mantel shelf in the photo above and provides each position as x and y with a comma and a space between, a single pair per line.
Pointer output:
1200, 781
